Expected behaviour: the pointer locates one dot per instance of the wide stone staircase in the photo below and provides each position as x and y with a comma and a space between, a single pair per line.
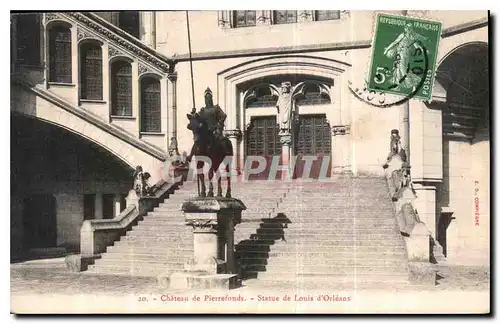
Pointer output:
339, 234
161, 241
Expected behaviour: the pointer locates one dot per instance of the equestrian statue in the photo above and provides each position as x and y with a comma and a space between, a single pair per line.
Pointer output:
207, 126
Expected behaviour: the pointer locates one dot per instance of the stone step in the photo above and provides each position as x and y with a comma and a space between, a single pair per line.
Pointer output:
299, 237
323, 280
151, 250
328, 227
300, 261
318, 217
130, 263
145, 241
283, 271
334, 223
182, 232
149, 258
129, 271
369, 208
331, 254
314, 245
321, 236
339, 249
155, 220
333, 269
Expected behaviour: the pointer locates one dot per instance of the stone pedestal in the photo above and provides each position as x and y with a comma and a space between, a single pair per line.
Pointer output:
286, 150
212, 264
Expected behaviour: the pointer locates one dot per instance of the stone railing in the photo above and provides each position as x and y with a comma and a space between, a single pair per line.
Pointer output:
91, 25
415, 233
97, 234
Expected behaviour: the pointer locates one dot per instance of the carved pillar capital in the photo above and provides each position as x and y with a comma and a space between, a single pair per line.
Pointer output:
172, 77
341, 130
233, 133
285, 138
203, 225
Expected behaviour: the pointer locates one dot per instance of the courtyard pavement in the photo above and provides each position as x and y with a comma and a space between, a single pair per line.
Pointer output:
45, 286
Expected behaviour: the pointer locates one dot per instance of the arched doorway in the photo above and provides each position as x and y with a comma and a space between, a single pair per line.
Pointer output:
464, 75
311, 132
58, 180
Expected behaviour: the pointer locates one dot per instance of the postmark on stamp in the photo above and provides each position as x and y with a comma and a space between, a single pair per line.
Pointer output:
404, 55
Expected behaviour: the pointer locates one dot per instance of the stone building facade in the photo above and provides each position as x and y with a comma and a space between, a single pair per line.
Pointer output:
132, 73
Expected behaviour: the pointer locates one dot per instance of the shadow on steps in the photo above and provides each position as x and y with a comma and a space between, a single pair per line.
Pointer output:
252, 255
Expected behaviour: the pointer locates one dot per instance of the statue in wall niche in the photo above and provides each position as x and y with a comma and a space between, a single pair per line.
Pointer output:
141, 185
284, 106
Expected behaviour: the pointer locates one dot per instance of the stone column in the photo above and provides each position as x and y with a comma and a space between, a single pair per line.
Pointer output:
286, 150
148, 26
234, 136
206, 245
98, 206
173, 148
340, 149
425, 204
117, 205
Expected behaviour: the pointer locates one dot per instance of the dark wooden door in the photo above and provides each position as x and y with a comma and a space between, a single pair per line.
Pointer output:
39, 222
262, 140
313, 139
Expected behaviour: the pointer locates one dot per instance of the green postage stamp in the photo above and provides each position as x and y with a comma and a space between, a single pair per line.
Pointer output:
404, 56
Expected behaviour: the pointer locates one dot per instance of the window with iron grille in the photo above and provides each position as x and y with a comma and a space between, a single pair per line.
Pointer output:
312, 95
91, 71
244, 18
150, 105
60, 56
285, 16
326, 15
129, 22
28, 39
262, 97
121, 88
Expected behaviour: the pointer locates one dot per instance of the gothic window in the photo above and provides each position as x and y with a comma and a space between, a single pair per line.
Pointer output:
91, 71
150, 105
244, 18
261, 97
312, 94
326, 15
28, 39
129, 22
285, 16
121, 88
60, 57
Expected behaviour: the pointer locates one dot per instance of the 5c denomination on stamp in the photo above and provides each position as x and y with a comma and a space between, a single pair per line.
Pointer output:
404, 55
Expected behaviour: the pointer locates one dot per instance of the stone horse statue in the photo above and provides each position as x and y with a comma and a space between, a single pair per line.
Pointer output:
209, 142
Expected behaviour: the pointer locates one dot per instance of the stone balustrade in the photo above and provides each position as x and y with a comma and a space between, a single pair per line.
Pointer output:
97, 234
415, 232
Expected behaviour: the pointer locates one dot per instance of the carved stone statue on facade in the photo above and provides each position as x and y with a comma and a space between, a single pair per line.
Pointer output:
284, 106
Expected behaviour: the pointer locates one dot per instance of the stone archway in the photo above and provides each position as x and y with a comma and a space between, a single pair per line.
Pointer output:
461, 223
235, 82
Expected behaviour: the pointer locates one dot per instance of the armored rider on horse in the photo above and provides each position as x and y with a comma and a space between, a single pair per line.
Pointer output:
207, 126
